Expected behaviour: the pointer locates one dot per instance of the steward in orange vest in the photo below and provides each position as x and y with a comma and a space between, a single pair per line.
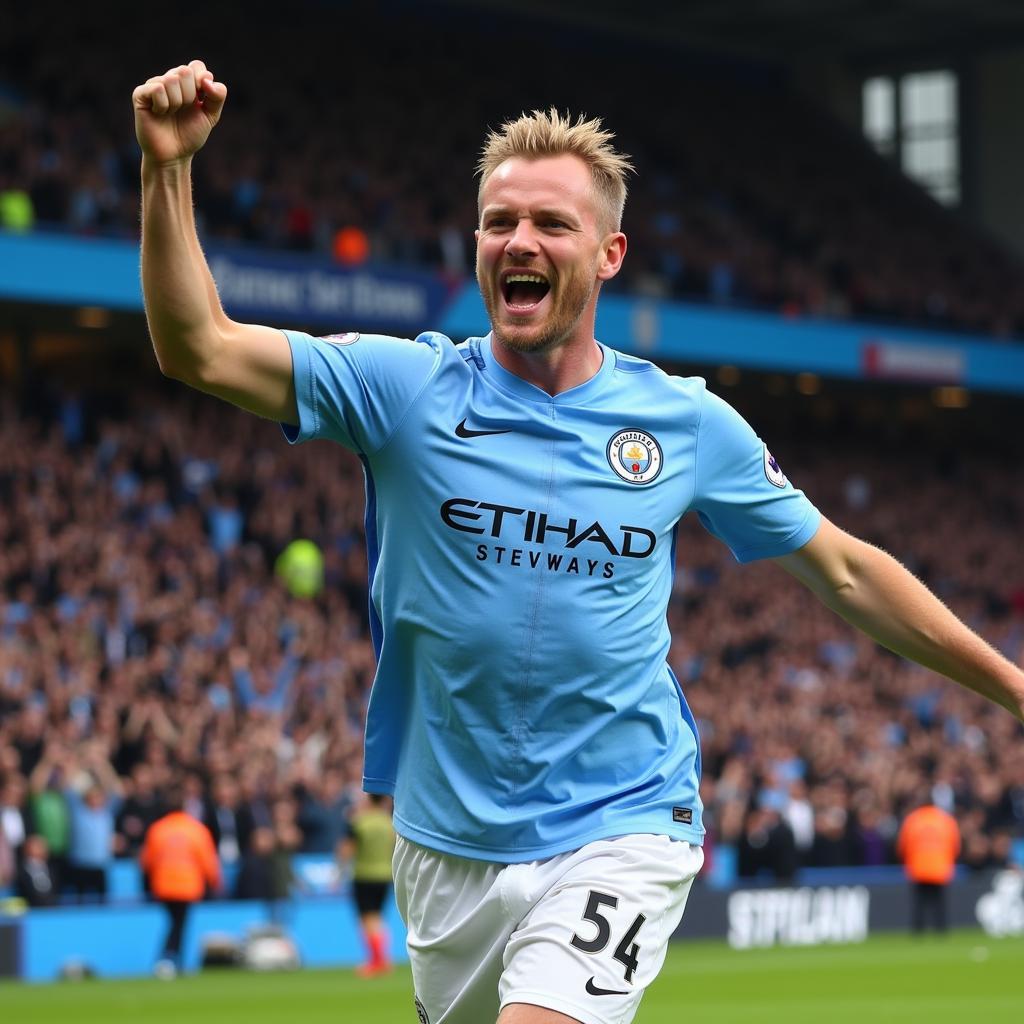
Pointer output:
928, 844
180, 862
179, 858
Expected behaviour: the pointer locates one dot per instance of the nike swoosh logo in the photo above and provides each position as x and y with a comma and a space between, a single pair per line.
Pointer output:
463, 431
595, 991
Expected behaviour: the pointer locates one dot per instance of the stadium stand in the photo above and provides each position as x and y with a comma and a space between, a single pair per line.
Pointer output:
146, 635
781, 208
139, 635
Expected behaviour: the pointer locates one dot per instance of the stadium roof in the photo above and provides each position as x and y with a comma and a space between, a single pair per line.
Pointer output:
858, 31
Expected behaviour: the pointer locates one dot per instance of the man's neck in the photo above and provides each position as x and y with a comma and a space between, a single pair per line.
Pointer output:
558, 370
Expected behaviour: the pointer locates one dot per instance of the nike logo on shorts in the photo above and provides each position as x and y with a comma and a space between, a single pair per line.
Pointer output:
463, 431
595, 991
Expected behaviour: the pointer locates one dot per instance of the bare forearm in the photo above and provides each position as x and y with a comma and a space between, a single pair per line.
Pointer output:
184, 313
246, 364
881, 598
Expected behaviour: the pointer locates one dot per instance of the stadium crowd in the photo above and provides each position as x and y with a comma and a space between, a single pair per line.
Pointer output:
747, 196
146, 641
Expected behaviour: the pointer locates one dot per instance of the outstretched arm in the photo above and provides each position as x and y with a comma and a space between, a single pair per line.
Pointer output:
194, 339
873, 592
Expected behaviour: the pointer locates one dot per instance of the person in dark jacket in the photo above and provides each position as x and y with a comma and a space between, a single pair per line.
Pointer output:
767, 847
222, 819
35, 882
265, 872
141, 807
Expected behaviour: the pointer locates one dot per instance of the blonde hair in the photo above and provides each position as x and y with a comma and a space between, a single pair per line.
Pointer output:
547, 133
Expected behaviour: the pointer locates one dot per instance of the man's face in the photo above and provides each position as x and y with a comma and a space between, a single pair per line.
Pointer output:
540, 249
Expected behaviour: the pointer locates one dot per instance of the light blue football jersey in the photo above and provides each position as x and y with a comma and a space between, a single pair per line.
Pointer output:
521, 550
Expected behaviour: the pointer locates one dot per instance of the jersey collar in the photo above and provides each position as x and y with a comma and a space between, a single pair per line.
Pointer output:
509, 382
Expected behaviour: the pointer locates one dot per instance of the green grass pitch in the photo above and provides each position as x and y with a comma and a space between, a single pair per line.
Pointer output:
964, 976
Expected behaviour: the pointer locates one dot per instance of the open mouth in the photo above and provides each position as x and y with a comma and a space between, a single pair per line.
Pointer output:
523, 291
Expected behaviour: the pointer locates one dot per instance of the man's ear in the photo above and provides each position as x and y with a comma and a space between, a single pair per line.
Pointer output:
613, 252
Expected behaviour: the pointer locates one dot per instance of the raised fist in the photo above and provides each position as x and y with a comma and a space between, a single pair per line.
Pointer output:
175, 112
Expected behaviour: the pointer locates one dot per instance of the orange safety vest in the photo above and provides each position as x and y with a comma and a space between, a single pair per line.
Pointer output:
179, 858
928, 844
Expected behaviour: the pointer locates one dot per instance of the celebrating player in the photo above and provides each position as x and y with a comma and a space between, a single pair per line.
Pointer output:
523, 491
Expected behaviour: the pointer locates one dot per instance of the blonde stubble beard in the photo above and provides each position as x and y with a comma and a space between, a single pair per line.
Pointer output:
567, 309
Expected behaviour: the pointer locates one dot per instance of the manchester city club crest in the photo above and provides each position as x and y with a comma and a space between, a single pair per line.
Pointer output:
635, 456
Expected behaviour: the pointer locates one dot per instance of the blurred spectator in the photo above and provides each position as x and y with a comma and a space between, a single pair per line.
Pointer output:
48, 808
192, 798
832, 846
254, 811
873, 836
976, 852
141, 807
256, 879
13, 822
323, 813
367, 852
799, 816
265, 872
36, 884
28, 739
767, 847
260, 687
180, 864
928, 844
225, 521
92, 810
287, 833
221, 818
1001, 857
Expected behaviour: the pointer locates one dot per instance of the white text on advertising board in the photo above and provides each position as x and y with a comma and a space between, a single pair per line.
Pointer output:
798, 917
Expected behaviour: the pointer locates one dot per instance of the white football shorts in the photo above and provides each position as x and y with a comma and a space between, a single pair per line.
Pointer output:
583, 933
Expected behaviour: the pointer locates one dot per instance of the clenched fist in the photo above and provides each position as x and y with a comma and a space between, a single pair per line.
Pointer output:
175, 112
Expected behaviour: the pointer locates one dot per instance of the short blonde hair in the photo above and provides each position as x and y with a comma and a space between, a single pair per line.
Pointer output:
547, 133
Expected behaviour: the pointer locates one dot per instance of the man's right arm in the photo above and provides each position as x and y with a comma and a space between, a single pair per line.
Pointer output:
195, 341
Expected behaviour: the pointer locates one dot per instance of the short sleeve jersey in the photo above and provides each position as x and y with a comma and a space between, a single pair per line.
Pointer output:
521, 549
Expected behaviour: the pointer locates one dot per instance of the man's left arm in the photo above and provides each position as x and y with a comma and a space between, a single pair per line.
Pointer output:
873, 592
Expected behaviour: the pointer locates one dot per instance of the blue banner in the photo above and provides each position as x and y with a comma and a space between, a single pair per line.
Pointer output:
713, 336
282, 288
307, 292
272, 286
